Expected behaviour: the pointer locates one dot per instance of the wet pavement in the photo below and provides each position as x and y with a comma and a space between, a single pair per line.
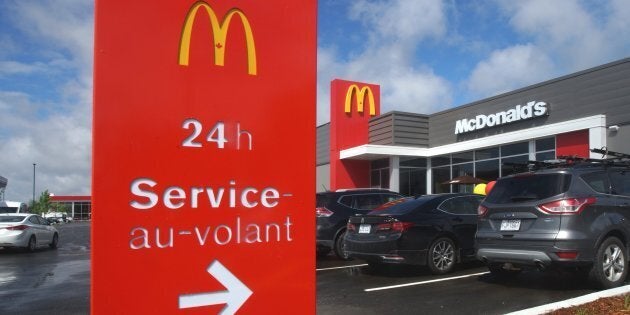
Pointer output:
58, 282
352, 287
48, 281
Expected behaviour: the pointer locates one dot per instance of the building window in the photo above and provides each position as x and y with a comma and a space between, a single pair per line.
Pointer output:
440, 175
515, 149
545, 149
379, 175
488, 163
413, 176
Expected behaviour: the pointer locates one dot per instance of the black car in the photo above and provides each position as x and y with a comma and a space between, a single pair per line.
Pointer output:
433, 230
572, 214
333, 208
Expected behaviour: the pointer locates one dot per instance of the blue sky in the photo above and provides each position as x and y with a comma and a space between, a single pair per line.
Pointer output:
427, 55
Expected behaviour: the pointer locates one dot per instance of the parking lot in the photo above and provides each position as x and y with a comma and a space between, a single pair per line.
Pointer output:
48, 281
57, 282
352, 287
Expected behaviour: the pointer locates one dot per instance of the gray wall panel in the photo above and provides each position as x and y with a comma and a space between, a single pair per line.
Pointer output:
322, 176
618, 140
398, 128
601, 90
322, 149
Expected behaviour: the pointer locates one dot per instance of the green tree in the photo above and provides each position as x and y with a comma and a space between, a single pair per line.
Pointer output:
42, 205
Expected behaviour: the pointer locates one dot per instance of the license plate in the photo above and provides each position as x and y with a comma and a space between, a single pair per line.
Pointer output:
510, 225
365, 228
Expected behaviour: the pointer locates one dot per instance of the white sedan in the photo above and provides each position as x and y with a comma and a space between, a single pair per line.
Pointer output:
26, 230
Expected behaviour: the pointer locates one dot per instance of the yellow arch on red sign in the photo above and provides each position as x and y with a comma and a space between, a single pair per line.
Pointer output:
219, 31
360, 94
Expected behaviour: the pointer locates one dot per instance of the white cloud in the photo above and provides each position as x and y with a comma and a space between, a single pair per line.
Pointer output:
56, 136
509, 69
14, 67
388, 58
405, 20
560, 37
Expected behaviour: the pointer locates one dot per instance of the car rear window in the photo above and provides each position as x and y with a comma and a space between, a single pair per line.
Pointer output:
528, 187
321, 200
11, 219
406, 205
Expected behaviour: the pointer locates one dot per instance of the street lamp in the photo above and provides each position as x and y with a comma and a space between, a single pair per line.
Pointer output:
34, 183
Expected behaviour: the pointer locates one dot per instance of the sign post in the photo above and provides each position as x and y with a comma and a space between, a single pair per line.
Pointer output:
204, 157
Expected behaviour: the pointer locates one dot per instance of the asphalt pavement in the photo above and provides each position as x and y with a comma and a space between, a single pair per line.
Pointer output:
48, 281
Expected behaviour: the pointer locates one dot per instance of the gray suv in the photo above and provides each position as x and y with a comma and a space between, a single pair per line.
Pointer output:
574, 215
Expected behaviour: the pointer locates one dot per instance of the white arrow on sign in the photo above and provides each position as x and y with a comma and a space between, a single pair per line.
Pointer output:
234, 297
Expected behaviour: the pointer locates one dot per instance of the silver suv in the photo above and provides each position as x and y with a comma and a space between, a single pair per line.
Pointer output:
573, 215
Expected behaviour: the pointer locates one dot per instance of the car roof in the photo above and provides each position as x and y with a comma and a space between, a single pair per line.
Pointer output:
356, 190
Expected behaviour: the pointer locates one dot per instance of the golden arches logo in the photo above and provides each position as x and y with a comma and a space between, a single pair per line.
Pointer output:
219, 32
360, 95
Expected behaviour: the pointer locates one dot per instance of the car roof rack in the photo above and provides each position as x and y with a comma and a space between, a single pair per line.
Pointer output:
609, 158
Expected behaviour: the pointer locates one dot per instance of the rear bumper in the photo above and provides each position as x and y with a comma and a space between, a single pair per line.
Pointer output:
410, 257
539, 257
524, 257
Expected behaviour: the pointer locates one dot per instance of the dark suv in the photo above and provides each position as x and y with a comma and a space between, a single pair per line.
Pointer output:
333, 208
573, 215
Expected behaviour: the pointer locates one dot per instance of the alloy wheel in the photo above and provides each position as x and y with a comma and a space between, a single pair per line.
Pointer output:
443, 255
613, 262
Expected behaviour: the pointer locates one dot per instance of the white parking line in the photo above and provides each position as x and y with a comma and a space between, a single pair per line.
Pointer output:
342, 267
424, 282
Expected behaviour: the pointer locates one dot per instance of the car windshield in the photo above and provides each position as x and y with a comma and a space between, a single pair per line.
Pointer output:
406, 206
528, 187
11, 219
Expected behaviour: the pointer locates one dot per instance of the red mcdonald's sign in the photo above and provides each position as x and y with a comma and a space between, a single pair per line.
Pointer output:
195, 212
349, 124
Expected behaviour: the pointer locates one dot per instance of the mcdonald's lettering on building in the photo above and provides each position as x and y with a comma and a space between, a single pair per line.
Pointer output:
190, 108
219, 30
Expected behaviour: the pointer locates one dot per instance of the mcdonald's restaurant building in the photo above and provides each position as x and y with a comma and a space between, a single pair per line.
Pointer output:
415, 153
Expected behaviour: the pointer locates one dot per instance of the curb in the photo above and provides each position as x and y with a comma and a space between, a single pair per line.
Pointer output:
573, 302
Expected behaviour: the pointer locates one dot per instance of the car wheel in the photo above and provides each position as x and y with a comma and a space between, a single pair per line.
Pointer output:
442, 255
32, 244
611, 264
340, 247
55, 241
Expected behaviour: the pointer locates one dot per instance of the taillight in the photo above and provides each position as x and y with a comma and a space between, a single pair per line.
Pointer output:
482, 210
567, 255
394, 226
17, 228
323, 212
567, 206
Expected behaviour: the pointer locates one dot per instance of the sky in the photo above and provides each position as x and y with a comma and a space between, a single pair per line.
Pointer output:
427, 56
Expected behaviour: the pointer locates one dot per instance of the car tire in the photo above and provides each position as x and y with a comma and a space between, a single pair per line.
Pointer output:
340, 250
610, 266
32, 244
55, 241
442, 256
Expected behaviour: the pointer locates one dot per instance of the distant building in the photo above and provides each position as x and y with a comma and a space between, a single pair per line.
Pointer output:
77, 207
3, 186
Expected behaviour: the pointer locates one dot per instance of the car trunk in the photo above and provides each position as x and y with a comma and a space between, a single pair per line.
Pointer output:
373, 234
513, 209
